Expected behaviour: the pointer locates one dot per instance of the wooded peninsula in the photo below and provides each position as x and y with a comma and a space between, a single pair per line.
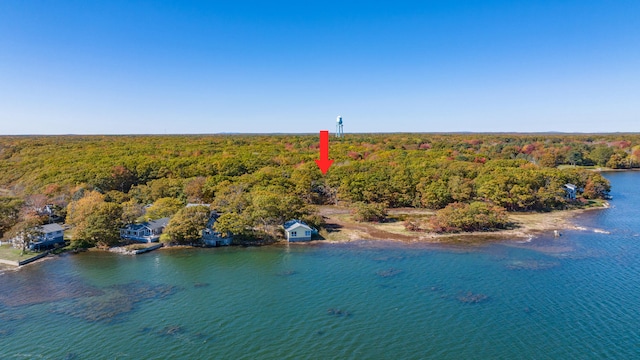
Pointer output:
468, 182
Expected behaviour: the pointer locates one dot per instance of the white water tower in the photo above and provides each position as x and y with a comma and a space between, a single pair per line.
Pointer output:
339, 131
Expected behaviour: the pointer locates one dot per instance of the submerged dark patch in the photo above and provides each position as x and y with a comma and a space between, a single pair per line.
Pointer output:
34, 288
389, 272
171, 330
115, 300
472, 298
6, 316
339, 312
178, 332
531, 264
287, 273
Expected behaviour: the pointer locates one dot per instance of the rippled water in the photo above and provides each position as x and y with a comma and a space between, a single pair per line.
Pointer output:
576, 296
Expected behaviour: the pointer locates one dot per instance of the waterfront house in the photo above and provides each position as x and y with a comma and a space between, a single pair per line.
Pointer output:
571, 191
211, 237
49, 236
146, 232
296, 230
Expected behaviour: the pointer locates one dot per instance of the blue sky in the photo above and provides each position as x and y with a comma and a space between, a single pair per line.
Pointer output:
131, 67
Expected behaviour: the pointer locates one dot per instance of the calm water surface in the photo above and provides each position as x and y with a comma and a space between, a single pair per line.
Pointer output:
577, 296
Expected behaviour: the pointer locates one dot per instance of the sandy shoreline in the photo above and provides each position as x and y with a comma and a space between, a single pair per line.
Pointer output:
341, 228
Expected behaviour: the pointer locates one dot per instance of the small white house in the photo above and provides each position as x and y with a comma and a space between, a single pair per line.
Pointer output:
571, 190
296, 230
146, 232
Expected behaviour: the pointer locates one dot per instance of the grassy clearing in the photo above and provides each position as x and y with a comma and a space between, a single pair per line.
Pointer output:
396, 227
597, 203
7, 252
342, 227
543, 221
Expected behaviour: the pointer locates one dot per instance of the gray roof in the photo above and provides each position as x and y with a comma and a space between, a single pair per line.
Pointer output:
135, 227
156, 224
289, 225
151, 225
49, 228
570, 186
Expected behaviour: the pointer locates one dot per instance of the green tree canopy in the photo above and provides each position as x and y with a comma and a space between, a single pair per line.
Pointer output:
232, 223
186, 226
364, 212
476, 216
163, 207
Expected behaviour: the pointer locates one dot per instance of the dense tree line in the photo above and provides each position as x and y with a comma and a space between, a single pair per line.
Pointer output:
258, 182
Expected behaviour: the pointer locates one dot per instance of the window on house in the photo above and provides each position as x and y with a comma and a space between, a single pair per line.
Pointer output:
307, 233
294, 234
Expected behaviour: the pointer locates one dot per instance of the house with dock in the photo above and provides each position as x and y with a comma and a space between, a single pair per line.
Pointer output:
146, 232
296, 230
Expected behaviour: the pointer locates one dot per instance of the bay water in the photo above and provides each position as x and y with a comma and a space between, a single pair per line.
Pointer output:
576, 296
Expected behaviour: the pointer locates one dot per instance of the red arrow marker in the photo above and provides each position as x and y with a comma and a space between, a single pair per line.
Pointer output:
324, 163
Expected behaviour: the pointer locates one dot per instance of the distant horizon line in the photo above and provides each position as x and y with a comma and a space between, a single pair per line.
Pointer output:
346, 134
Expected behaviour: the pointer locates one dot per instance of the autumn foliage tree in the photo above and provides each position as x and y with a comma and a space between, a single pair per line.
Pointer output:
101, 228
596, 187
79, 210
95, 222
131, 211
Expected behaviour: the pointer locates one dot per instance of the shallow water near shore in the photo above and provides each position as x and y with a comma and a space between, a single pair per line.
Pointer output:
575, 296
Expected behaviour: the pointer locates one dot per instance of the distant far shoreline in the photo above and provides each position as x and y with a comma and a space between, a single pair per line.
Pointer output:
549, 133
